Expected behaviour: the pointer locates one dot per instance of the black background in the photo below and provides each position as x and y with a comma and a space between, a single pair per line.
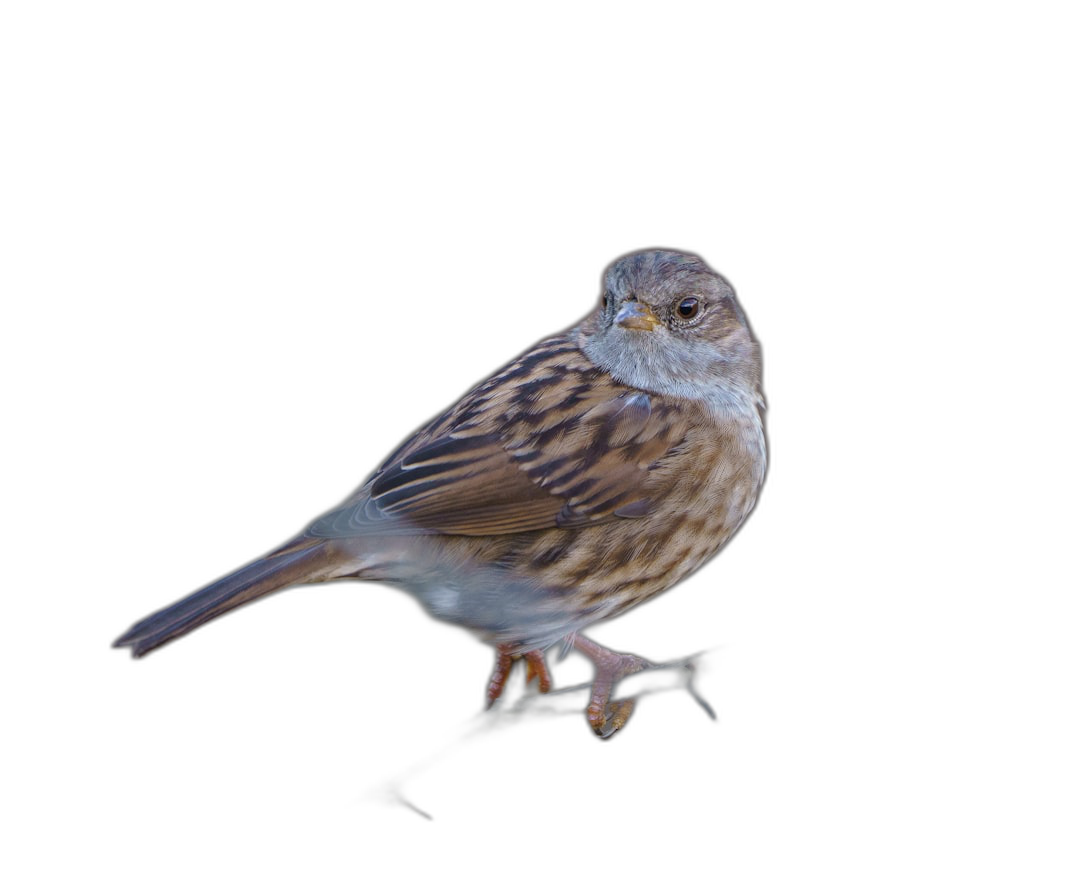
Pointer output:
283, 312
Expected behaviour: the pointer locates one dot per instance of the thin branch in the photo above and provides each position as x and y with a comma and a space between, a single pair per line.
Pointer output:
517, 709
513, 711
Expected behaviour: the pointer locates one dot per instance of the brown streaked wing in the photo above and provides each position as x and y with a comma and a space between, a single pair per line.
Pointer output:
561, 445
600, 459
463, 486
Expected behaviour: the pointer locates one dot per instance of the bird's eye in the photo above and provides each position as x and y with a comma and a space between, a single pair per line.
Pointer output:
603, 301
688, 308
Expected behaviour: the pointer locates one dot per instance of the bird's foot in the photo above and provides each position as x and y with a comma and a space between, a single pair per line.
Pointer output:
505, 657
607, 716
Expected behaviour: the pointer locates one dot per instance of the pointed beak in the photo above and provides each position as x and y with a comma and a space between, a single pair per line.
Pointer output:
634, 314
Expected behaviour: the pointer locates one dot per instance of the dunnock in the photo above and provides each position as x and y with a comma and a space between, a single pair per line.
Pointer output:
598, 469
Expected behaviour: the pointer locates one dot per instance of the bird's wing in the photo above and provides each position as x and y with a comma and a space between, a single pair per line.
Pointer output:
549, 442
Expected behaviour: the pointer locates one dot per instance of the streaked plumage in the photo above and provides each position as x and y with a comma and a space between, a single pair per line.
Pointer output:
599, 468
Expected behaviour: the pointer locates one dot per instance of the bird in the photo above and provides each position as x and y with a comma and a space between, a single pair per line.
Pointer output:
593, 472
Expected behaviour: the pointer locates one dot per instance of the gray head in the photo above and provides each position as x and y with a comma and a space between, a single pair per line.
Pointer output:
669, 323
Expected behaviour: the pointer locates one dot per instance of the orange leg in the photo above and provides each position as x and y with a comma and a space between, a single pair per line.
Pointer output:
536, 667
505, 657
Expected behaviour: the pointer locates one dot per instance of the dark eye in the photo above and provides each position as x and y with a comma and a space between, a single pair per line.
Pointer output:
688, 308
603, 301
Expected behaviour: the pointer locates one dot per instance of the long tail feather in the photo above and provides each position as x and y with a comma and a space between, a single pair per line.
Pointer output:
272, 572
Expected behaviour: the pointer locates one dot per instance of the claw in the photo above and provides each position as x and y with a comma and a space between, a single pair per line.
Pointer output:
605, 716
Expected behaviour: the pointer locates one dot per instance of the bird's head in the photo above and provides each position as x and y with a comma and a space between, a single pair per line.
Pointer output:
668, 323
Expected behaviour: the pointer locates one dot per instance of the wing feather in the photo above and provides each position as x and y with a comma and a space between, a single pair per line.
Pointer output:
551, 441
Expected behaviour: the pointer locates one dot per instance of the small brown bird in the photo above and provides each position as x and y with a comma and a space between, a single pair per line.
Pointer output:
596, 470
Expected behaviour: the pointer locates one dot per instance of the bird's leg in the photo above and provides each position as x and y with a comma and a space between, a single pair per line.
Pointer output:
536, 667
504, 661
606, 717
505, 657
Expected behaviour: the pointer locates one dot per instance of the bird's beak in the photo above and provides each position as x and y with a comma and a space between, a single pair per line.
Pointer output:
634, 314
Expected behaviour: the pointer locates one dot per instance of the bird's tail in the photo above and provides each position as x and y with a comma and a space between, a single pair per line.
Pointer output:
301, 562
